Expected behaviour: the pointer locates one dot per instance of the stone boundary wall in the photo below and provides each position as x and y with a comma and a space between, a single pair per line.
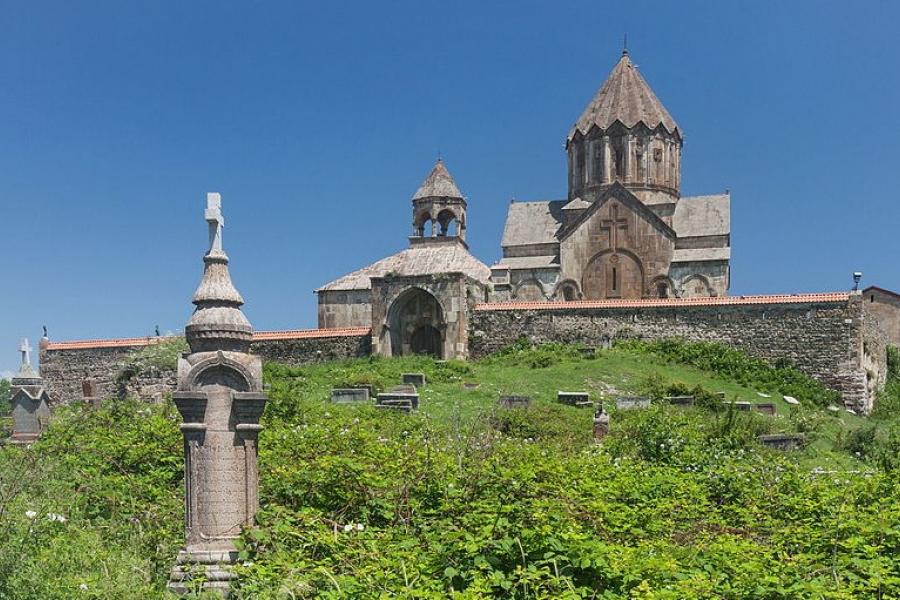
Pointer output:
828, 336
65, 366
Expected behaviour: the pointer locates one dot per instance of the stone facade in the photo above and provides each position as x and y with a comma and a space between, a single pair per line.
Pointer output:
885, 305
831, 337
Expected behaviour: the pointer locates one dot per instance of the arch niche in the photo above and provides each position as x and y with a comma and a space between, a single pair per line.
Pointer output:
416, 324
610, 274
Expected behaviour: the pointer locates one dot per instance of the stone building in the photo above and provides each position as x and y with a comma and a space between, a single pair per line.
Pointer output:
885, 305
624, 230
416, 301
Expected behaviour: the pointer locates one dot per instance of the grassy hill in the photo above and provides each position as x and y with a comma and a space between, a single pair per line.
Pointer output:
463, 499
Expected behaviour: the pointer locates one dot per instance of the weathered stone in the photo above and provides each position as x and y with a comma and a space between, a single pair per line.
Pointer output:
578, 399
28, 400
514, 401
601, 424
349, 395
680, 400
220, 397
767, 408
393, 398
741, 406
416, 379
632, 402
783, 441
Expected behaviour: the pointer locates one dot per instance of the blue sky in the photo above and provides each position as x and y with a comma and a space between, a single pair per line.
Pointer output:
317, 122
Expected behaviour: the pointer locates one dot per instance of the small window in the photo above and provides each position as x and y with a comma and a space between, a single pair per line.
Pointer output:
662, 290
872, 298
615, 279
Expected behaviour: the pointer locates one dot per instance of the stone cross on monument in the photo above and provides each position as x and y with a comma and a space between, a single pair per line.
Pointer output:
220, 397
613, 225
28, 400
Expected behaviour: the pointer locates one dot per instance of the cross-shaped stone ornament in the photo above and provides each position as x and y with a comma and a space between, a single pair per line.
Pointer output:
215, 220
613, 225
25, 349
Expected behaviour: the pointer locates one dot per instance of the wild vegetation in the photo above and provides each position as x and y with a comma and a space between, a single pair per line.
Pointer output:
466, 500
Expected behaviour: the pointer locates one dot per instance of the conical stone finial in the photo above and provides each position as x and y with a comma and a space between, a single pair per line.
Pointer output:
438, 184
217, 322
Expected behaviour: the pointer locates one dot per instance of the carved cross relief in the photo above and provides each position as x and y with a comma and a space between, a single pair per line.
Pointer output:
613, 226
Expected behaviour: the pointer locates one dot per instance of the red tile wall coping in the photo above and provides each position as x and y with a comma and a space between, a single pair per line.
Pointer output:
258, 336
668, 302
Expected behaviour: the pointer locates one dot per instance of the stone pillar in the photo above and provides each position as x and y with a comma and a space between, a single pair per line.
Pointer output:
28, 400
601, 425
220, 397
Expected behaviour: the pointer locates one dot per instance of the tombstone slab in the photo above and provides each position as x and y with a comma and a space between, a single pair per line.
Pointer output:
349, 395
416, 379
632, 402
220, 397
514, 401
767, 408
783, 441
398, 398
578, 399
742, 406
680, 400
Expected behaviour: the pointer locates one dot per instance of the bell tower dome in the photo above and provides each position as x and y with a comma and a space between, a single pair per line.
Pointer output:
439, 209
625, 134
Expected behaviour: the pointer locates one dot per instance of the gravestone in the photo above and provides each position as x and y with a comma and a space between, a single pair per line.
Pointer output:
767, 408
220, 397
349, 395
403, 397
601, 424
588, 352
89, 393
578, 399
742, 406
782, 441
680, 400
632, 402
721, 395
514, 401
417, 379
28, 400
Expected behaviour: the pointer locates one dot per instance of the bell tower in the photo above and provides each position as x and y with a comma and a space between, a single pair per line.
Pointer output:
439, 209
625, 134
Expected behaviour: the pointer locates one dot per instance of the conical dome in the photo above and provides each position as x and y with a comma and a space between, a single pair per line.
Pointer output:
438, 184
625, 97
217, 322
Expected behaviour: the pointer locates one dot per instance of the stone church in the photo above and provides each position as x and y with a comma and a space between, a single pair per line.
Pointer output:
623, 232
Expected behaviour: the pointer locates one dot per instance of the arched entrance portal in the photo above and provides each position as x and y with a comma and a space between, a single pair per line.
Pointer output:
416, 324
613, 275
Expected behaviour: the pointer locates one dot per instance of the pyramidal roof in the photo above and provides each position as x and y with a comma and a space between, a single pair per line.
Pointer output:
438, 184
627, 98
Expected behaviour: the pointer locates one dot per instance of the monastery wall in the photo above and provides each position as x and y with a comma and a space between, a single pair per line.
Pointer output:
828, 336
67, 366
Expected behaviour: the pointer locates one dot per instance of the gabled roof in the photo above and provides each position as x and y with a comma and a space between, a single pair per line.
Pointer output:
438, 184
697, 216
422, 259
621, 193
530, 223
625, 97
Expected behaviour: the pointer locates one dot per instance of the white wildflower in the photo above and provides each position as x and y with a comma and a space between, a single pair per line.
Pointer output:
348, 527
359, 527
30, 514
83, 586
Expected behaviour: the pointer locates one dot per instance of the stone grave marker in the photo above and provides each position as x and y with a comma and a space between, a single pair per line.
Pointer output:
28, 400
514, 401
588, 352
767, 408
632, 402
601, 424
416, 379
220, 397
783, 441
577, 399
402, 397
680, 400
349, 395
742, 406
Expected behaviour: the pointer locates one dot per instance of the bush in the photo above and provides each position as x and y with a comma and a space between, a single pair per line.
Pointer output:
536, 356
737, 366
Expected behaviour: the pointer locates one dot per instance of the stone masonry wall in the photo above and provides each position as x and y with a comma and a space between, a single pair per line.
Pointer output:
823, 339
66, 368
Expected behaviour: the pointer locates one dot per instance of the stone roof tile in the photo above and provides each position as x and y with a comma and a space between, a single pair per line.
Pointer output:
533, 223
697, 216
439, 183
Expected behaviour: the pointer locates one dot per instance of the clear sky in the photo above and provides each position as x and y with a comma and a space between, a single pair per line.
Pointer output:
318, 120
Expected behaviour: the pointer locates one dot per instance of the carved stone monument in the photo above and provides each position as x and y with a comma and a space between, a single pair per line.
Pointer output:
30, 411
220, 397
601, 424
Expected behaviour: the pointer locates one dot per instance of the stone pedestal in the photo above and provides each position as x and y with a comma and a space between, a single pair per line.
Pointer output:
220, 397
29, 402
